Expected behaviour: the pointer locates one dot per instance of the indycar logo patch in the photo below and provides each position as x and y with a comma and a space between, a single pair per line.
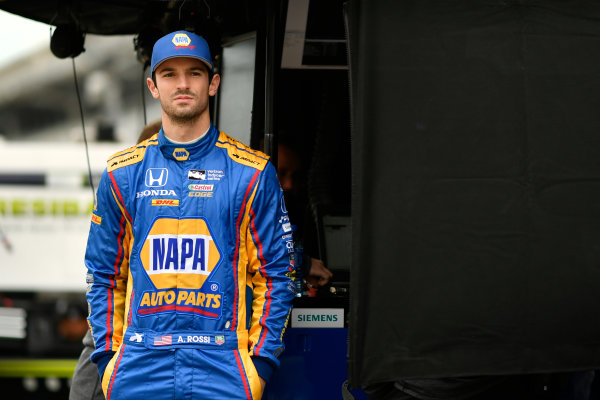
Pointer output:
196, 174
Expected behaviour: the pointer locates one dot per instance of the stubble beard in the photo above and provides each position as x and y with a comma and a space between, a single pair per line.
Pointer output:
182, 116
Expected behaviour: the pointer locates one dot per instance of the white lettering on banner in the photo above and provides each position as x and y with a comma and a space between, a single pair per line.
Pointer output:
317, 318
156, 192
214, 175
193, 339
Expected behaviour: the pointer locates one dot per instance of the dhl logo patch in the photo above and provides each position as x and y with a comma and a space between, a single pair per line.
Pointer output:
179, 255
181, 154
165, 202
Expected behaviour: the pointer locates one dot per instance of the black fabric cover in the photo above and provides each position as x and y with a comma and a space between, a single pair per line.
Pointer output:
476, 187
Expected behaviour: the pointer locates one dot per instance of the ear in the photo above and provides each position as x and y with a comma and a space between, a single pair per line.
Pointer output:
214, 85
153, 88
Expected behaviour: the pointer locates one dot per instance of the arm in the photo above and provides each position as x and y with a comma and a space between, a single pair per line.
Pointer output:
107, 262
318, 273
269, 265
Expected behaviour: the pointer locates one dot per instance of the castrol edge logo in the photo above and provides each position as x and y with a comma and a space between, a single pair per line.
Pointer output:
179, 255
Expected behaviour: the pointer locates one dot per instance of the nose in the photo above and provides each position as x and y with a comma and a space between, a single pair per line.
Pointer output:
182, 82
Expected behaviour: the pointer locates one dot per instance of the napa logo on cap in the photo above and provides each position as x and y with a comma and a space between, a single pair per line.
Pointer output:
181, 154
182, 40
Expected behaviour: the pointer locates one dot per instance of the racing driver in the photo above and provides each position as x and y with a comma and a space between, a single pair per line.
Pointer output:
189, 286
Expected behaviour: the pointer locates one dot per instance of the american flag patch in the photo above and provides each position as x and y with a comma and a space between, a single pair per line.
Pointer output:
163, 340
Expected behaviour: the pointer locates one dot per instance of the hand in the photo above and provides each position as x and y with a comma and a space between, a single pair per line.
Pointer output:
318, 275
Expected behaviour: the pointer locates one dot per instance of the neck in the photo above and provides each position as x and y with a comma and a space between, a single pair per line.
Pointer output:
185, 132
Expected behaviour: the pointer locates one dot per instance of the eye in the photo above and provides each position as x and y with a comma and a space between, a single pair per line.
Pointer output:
166, 73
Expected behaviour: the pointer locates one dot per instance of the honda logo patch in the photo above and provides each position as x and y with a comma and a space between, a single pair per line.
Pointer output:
156, 177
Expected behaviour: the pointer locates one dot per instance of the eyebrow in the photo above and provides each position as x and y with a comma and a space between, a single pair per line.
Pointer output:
169, 69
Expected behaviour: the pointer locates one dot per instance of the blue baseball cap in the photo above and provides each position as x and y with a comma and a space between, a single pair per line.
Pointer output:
180, 44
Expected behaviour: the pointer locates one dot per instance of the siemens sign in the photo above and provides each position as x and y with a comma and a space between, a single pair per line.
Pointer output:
317, 318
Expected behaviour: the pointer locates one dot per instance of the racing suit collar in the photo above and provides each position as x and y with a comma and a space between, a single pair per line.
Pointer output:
186, 152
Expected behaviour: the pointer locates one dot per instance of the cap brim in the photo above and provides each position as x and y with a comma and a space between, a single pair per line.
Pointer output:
208, 64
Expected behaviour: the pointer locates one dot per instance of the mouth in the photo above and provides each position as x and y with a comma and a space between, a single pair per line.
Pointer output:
183, 97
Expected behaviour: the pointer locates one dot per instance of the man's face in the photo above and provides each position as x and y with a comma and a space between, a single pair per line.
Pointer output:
288, 167
183, 89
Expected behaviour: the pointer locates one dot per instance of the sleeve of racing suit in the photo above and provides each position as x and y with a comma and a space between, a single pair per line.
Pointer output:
107, 262
269, 264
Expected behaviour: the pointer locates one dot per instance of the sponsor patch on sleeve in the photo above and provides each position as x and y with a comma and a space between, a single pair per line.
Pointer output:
96, 219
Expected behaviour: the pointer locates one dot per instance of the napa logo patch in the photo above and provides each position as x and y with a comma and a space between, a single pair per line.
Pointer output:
179, 256
165, 202
181, 154
182, 40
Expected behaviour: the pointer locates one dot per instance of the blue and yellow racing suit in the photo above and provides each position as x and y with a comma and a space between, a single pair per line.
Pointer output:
189, 279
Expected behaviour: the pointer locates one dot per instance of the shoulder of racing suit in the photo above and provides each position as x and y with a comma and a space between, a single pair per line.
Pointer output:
241, 153
131, 155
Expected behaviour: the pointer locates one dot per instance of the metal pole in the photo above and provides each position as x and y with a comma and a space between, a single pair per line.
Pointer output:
270, 72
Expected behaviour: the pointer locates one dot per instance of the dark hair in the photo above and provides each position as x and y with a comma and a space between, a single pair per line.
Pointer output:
149, 130
210, 74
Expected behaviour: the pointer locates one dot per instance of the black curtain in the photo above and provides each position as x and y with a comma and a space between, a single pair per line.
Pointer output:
476, 187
